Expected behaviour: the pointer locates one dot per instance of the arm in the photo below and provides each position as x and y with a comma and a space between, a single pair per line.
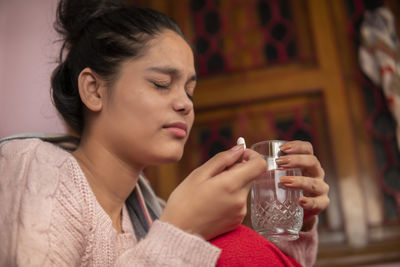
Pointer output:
47, 219
219, 181
166, 245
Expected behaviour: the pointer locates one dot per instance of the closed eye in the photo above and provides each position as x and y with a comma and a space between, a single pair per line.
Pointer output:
160, 85
190, 97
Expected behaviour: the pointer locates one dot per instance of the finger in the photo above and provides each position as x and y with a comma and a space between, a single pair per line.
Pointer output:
241, 174
246, 187
310, 186
314, 205
297, 147
222, 161
309, 163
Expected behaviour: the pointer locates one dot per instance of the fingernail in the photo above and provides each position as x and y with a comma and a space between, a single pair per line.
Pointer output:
303, 202
286, 180
237, 147
285, 147
281, 160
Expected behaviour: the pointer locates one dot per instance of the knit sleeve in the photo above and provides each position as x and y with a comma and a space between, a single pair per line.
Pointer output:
166, 245
304, 249
40, 221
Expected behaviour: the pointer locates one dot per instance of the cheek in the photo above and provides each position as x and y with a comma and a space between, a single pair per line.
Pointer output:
128, 115
136, 106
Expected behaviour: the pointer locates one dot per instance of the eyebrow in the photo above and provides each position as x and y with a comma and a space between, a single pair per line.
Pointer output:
171, 71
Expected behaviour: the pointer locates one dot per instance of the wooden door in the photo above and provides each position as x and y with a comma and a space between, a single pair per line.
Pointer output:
287, 69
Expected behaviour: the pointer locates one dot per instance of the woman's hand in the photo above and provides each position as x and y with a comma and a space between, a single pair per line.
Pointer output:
315, 189
212, 199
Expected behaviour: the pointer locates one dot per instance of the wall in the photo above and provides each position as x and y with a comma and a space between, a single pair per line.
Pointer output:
27, 55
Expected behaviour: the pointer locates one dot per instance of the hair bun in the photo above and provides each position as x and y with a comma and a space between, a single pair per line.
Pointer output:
74, 15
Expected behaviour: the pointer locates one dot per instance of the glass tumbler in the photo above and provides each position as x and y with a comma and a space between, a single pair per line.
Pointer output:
275, 211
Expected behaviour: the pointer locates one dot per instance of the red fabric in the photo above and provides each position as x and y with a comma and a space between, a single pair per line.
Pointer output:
245, 247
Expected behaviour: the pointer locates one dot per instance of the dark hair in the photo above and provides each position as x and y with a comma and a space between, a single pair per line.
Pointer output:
101, 35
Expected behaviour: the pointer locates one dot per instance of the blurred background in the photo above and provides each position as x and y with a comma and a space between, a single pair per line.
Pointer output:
268, 69
289, 69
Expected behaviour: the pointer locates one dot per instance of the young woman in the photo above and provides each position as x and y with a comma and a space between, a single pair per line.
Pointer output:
125, 83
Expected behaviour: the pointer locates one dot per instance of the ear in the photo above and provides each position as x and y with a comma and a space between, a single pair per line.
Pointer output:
91, 89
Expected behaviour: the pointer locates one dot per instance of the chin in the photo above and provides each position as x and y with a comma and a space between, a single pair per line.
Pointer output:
171, 157
167, 152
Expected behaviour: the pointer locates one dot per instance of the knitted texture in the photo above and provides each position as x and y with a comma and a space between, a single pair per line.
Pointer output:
49, 216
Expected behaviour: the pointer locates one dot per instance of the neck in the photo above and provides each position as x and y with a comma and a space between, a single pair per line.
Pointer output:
110, 178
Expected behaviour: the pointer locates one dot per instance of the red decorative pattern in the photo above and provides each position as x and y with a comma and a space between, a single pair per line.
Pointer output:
251, 38
214, 40
215, 137
242, 123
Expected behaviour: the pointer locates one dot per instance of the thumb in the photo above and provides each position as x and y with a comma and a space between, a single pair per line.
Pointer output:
222, 161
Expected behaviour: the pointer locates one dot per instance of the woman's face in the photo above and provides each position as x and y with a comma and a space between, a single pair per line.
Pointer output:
149, 112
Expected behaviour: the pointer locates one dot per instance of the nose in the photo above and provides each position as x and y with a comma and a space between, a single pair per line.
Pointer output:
182, 103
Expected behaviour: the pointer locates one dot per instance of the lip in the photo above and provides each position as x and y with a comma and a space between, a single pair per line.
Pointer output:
178, 129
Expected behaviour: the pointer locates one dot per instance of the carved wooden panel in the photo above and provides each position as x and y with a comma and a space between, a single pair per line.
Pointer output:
288, 69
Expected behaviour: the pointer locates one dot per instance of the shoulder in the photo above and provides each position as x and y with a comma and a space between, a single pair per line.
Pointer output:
39, 150
37, 178
32, 166
16, 148
41, 170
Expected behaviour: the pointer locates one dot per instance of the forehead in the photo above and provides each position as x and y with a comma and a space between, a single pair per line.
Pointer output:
169, 48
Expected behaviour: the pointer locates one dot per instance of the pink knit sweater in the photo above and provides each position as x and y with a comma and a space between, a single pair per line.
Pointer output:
50, 217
